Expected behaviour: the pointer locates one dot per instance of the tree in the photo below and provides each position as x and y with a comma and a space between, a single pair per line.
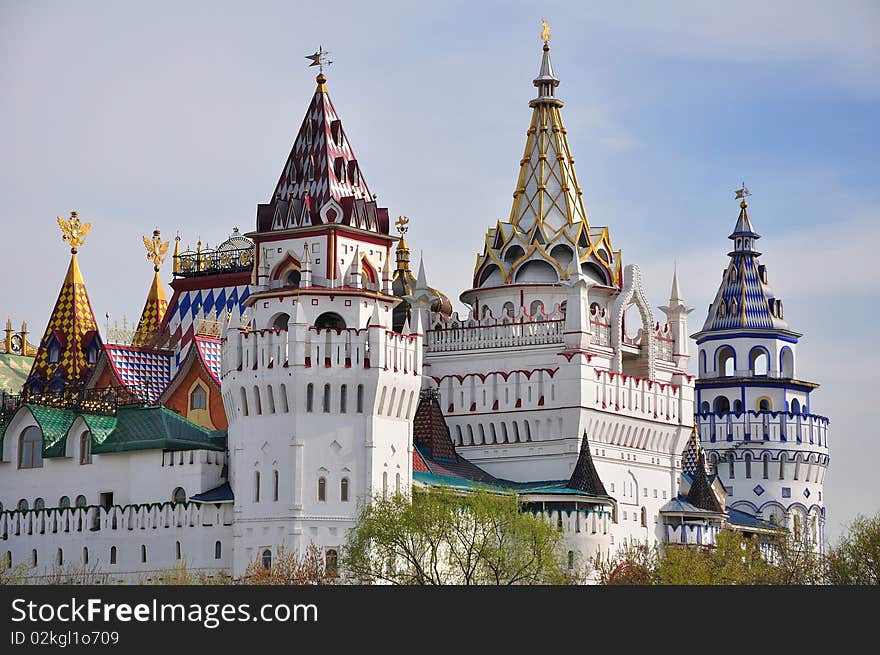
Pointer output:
856, 559
440, 537
290, 568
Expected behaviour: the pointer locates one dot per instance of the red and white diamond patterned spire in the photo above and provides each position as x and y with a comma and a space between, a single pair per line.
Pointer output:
321, 181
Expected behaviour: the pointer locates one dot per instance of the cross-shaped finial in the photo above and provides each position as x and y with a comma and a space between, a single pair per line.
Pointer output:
319, 59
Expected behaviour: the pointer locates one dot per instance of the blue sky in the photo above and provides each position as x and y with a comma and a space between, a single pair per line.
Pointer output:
153, 114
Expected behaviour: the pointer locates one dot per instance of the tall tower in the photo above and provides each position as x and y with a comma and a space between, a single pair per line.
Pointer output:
755, 418
319, 390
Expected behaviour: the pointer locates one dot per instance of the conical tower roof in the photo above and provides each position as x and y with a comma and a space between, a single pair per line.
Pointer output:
63, 357
154, 308
584, 477
691, 455
745, 298
321, 181
701, 494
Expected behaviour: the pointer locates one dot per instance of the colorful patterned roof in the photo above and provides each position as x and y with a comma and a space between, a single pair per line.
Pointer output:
151, 317
430, 431
701, 494
321, 181
745, 298
209, 351
548, 208
144, 372
14, 370
71, 332
691, 454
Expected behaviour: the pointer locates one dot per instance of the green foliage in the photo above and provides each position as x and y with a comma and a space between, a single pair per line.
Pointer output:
856, 559
441, 537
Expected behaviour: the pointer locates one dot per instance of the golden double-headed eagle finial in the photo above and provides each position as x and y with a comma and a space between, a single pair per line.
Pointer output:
402, 224
545, 31
73, 231
156, 250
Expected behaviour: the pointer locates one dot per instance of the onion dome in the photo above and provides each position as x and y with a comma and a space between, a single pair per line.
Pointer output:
235, 241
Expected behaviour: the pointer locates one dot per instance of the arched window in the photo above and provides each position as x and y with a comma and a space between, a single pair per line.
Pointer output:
275, 486
343, 490
325, 405
795, 406
258, 405
703, 361
322, 489
737, 406
270, 396
113, 554
797, 467
766, 459
177, 550
85, 554
330, 320
360, 399
507, 310
198, 399
283, 392
218, 550
39, 503
85, 448
81, 501
30, 448
34, 557
782, 466
143, 554
310, 396
786, 362
64, 502
765, 404
343, 398
537, 307
748, 459
244, 402
759, 361
713, 462
282, 320
267, 559
731, 467
256, 486
725, 361
722, 405
331, 562
179, 495
705, 408
644, 517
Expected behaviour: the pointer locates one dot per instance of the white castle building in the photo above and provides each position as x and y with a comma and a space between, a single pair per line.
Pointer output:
344, 376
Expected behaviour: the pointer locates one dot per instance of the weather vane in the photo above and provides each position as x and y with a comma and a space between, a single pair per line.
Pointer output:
545, 31
742, 193
156, 250
402, 224
73, 231
319, 59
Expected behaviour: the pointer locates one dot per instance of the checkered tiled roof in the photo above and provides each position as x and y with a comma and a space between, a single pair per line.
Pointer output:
153, 313
72, 326
144, 372
209, 351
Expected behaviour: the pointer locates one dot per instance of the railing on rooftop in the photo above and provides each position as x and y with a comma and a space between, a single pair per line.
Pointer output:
458, 336
101, 400
210, 262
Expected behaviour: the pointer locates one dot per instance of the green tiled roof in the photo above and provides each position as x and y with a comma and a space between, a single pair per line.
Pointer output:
148, 428
133, 428
14, 370
559, 487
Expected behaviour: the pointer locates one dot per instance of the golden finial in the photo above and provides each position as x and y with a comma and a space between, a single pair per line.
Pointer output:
402, 224
156, 249
545, 31
73, 231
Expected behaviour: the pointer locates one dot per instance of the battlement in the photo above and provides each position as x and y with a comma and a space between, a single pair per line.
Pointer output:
311, 347
766, 425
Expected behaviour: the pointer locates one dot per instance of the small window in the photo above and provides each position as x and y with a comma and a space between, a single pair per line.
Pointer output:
177, 550
397, 483
54, 353
198, 399
644, 517
218, 550
85, 448
34, 557
343, 398
64, 502
8, 559
30, 448
325, 405
571, 559
331, 564
179, 495
275, 486
256, 486
39, 503
113, 554
360, 399
143, 554
85, 555
267, 559
310, 394
81, 501
322, 489
343, 490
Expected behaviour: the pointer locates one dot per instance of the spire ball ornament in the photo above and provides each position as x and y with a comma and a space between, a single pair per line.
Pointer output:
73, 231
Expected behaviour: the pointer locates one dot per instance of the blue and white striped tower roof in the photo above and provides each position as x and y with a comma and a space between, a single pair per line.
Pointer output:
745, 298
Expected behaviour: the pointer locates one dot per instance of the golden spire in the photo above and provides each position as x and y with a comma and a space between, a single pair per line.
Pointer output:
156, 249
73, 231
402, 251
176, 265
